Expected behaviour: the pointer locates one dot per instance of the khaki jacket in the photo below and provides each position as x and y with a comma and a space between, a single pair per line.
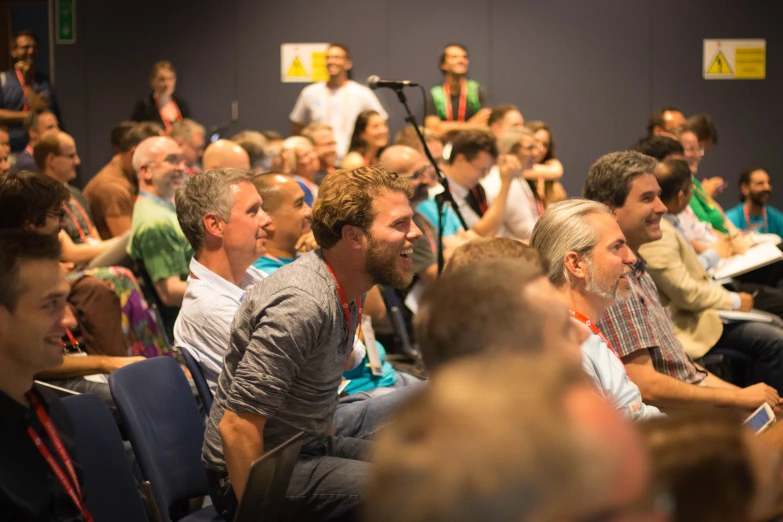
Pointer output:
684, 286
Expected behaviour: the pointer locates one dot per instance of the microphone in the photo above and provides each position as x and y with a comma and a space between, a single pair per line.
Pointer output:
375, 82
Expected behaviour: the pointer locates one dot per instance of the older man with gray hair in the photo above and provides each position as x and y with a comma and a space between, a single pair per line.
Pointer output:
522, 209
220, 213
589, 262
190, 136
157, 242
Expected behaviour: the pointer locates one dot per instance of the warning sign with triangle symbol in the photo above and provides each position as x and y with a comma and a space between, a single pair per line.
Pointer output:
720, 65
297, 70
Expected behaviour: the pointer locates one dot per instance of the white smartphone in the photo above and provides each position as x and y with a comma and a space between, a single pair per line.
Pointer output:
761, 419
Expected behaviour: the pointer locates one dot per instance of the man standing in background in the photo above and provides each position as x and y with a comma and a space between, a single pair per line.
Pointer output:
336, 102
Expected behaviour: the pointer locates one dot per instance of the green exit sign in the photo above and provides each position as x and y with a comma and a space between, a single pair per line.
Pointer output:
65, 18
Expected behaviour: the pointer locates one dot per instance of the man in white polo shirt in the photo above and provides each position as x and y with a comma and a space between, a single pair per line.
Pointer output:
336, 102
589, 263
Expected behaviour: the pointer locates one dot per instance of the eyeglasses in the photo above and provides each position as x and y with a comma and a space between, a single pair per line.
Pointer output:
421, 173
694, 150
60, 215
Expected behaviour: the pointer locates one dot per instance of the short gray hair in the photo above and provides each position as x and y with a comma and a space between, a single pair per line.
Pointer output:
508, 142
186, 129
206, 193
289, 148
564, 228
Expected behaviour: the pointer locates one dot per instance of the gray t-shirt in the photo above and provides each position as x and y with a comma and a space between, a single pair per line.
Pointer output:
285, 357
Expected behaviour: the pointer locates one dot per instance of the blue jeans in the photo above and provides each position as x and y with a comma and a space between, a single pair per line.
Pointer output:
326, 484
363, 414
763, 344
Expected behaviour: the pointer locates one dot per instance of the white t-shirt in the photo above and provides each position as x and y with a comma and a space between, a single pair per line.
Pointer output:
608, 372
339, 108
521, 207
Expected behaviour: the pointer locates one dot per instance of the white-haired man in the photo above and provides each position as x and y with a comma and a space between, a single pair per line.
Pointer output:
589, 262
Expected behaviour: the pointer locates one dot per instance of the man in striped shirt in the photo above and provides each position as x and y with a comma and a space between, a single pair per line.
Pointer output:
639, 327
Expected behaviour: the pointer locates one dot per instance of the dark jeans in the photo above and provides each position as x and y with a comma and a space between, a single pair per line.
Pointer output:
763, 344
327, 483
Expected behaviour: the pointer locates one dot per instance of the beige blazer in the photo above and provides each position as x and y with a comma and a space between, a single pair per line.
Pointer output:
685, 287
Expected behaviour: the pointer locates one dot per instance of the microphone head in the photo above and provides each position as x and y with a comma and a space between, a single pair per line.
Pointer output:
372, 81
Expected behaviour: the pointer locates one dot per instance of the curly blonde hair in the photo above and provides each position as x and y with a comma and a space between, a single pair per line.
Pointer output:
345, 198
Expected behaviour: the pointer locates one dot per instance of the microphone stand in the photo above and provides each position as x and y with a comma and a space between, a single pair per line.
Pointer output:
444, 197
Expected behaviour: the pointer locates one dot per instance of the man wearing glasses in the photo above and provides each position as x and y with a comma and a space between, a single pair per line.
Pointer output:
473, 154
157, 242
23, 89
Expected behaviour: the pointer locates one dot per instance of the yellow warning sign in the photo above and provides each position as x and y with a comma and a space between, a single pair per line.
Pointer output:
734, 59
751, 63
297, 70
719, 65
303, 62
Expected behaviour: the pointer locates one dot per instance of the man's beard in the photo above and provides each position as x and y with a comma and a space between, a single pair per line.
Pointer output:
601, 288
380, 265
760, 199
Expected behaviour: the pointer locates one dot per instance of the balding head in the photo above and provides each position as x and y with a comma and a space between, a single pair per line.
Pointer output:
159, 163
149, 150
411, 165
401, 159
225, 154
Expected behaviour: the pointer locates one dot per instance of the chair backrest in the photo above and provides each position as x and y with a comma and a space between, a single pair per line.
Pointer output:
198, 379
268, 480
164, 426
110, 491
393, 309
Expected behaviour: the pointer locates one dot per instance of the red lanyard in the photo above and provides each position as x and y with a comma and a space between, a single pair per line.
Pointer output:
463, 101
29, 149
593, 328
76, 221
19, 77
346, 309
765, 229
166, 122
71, 487
280, 262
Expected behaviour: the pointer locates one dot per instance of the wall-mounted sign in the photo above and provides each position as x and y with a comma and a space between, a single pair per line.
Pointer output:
303, 62
735, 59
65, 18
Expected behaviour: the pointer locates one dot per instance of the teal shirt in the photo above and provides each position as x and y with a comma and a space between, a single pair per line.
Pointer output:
361, 377
774, 224
429, 209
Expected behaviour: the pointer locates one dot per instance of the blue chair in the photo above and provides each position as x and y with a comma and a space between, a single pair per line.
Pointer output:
198, 378
110, 491
165, 429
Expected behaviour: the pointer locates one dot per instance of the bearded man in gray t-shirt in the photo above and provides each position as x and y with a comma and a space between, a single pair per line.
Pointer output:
291, 340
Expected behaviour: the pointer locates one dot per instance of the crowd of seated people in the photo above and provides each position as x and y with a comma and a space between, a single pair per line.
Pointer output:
550, 359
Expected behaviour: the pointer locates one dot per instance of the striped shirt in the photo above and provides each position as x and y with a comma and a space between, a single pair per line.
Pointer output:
640, 322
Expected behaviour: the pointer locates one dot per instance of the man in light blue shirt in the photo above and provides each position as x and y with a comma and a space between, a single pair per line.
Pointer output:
755, 212
589, 262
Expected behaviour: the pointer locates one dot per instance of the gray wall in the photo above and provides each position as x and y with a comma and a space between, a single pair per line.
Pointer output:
593, 70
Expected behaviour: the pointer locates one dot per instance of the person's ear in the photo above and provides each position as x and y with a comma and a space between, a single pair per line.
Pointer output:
213, 224
575, 265
353, 236
348, 64
745, 190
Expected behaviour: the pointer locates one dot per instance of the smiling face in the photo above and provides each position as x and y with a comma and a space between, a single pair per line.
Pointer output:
337, 62
376, 134
693, 151
25, 49
609, 262
244, 235
640, 217
390, 240
544, 142
30, 334
163, 172
455, 61
759, 190
291, 217
325, 147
